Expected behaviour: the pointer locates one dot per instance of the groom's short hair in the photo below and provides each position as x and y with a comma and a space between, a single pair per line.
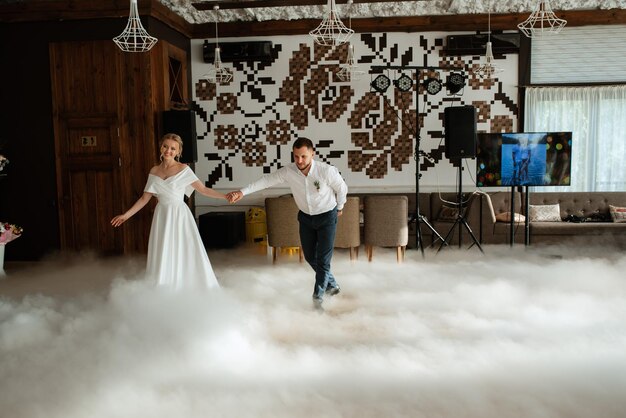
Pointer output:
303, 142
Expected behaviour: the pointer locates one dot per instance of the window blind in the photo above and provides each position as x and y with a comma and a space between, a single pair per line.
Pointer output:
587, 54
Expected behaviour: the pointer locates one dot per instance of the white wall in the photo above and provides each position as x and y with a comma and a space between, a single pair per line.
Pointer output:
299, 65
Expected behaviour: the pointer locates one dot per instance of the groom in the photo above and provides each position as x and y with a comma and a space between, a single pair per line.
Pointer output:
320, 193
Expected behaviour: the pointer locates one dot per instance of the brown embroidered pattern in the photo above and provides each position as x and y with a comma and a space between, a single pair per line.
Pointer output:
252, 121
227, 103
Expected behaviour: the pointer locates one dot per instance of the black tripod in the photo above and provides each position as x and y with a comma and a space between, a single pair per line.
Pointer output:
460, 217
417, 217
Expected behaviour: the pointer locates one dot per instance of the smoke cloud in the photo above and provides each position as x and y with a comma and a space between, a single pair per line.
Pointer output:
512, 333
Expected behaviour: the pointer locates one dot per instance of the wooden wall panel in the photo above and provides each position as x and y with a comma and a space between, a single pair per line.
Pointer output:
28, 116
134, 89
91, 208
143, 96
86, 77
104, 200
136, 145
87, 151
77, 226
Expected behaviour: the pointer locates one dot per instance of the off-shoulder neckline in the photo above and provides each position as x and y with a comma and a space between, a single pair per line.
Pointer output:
173, 175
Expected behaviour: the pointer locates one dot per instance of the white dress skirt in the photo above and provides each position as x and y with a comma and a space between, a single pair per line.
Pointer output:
176, 255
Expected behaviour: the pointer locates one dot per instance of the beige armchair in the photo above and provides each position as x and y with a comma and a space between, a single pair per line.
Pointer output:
348, 228
282, 224
386, 223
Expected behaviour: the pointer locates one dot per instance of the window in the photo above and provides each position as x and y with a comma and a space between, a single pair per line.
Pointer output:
583, 55
596, 116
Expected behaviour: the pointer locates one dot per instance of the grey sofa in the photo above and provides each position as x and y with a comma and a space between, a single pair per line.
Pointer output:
494, 231
587, 206
584, 205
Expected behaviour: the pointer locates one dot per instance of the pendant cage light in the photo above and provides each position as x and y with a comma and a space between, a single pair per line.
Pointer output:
331, 31
488, 69
134, 38
542, 21
218, 74
349, 70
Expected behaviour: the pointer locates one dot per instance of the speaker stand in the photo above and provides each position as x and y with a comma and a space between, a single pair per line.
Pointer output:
417, 217
460, 218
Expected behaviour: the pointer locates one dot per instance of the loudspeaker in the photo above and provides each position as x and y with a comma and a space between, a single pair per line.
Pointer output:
182, 123
460, 126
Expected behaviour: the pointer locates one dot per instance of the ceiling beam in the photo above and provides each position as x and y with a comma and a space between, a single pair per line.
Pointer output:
252, 4
60, 10
443, 23
57, 10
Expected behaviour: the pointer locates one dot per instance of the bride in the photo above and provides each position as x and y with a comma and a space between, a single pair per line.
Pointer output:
176, 256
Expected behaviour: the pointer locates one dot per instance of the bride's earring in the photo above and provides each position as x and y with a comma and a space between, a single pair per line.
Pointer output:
177, 158
161, 157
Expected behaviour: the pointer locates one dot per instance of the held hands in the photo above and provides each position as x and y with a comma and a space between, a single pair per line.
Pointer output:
234, 196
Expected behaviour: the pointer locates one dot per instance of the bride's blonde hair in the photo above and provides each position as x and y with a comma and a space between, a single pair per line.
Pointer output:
178, 140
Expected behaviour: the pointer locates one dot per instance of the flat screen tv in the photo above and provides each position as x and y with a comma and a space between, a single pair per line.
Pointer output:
524, 159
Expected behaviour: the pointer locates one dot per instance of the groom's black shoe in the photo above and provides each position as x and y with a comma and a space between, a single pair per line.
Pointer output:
317, 304
332, 291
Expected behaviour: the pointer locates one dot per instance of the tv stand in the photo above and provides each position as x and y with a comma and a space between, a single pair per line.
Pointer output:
512, 216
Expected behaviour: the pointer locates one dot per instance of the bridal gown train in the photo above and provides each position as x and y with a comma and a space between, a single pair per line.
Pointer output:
176, 256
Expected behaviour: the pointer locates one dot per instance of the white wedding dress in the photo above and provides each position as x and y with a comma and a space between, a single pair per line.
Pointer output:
176, 256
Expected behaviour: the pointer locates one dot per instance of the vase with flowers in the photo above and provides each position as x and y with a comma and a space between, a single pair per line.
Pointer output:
8, 232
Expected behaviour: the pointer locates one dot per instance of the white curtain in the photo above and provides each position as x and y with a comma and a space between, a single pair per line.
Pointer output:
596, 116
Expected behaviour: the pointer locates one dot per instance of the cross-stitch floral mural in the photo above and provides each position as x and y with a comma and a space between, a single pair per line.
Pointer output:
246, 128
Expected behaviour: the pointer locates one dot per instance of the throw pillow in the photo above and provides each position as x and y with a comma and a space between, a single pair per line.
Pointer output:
545, 213
506, 217
448, 213
618, 214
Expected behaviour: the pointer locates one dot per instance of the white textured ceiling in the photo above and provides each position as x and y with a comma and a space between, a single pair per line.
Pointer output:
403, 8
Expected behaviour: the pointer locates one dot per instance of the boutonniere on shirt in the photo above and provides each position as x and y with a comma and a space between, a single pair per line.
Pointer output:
316, 183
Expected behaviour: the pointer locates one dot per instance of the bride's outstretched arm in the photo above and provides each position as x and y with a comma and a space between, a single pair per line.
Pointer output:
207, 191
140, 203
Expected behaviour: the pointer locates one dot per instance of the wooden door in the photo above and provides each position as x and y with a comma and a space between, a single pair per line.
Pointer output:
87, 144
89, 156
